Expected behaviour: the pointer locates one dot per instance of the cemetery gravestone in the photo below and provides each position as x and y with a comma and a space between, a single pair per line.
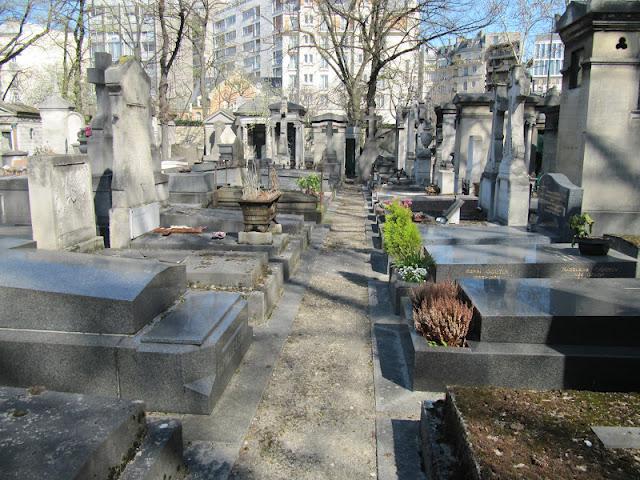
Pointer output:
558, 201
62, 213
135, 207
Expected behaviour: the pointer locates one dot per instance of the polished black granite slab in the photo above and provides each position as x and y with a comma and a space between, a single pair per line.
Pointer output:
192, 320
478, 234
77, 292
557, 260
591, 311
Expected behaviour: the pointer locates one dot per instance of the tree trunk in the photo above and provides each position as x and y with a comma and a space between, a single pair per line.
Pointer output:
78, 35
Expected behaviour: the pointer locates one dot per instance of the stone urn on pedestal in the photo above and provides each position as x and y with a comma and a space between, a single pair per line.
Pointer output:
259, 206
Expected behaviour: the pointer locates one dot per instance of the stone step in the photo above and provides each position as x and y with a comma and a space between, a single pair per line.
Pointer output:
46, 290
160, 454
290, 258
554, 311
58, 436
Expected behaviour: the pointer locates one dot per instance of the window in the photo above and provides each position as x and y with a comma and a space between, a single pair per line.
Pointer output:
293, 79
324, 81
293, 61
230, 51
230, 36
308, 58
308, 78
465, 86
219, 26
231, 20
324, 63
466, 72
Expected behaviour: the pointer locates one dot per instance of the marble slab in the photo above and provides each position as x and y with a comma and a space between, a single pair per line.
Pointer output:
557, 260
192, 320
77, 292
591, 311
478, 234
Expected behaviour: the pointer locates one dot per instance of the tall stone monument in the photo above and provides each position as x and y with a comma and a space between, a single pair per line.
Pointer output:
402, 119
490, 173
551, 111
61, 200
599, 124
283, 157
445, 175
135, 208
423, 165
100, 143
512, 186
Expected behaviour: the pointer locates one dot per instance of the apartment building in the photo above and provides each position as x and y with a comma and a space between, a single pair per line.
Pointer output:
548, 56
462, 67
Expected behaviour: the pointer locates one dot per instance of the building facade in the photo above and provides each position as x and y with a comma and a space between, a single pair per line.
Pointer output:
548, 55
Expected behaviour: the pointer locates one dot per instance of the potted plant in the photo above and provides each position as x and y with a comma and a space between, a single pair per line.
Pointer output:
582, 227
259, 205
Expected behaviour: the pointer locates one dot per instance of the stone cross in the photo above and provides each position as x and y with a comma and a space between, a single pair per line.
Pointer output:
99, 144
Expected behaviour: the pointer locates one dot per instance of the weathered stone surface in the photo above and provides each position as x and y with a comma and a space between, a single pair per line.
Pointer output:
133, 184
61, 200
83, 293
65, 436
526, 261
255, 238
8, 243
14, 200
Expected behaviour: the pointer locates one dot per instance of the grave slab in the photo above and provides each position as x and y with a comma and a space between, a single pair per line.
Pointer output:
526, 261
60, 436
554, 311
84, 293
191, 321
618, 437
9, 243
484, 234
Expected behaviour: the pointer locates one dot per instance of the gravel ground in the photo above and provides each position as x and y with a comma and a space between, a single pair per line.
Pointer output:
316, 419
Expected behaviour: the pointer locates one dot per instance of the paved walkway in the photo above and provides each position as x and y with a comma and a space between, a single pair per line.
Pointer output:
316, 419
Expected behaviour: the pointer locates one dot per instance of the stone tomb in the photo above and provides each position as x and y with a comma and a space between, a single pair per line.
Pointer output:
62, 209
61, 436
558, 260
541, 334
478, 235
194, 188
85, 324
248, 273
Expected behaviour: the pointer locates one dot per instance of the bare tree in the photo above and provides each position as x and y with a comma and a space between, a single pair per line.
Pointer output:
363, 37
172, 18
526, 17
18, 19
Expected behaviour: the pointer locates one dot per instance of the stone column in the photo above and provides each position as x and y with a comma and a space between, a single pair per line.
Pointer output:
299, 155
512, 191
268, 140
402, 124
446, 174
551, 109
529, 126
411, 140
490, 173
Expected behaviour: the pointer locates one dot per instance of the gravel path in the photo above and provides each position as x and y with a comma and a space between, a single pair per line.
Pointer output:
316, 419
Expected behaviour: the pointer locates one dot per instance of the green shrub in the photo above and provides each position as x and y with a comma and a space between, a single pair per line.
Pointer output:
182, 122
402, 238
310, 184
